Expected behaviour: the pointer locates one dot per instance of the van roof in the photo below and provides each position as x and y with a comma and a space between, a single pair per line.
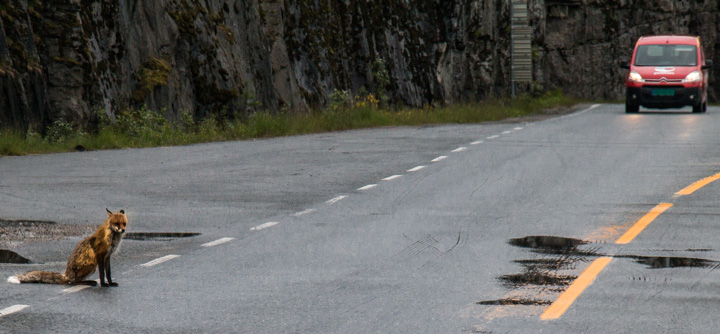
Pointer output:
669, 39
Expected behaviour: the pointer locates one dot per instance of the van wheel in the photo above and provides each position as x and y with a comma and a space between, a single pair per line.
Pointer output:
700, 108
631, 108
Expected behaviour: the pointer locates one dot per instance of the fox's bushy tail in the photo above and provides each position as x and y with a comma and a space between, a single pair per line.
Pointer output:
39, 277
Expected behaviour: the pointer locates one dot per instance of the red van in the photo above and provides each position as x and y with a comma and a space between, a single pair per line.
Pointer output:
667, 72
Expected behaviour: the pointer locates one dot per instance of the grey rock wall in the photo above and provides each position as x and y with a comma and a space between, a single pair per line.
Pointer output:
71, 59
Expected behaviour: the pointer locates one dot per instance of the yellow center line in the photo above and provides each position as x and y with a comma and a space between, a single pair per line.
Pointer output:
566, 299
697, 185
642, 223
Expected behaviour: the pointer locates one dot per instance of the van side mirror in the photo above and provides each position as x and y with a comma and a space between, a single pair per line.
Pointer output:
708, 64
624, 64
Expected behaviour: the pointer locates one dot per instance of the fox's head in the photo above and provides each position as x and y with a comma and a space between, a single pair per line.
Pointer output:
118, 221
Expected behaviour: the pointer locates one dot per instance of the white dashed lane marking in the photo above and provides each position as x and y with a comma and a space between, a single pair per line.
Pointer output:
12, 309
518, 128
476, 142
217, 242
440, 158
263, 226
459, 149
415, 169
75, 288
160, 260
369, 186
304, 212
336, 199
393, 177
493, 137
506, 132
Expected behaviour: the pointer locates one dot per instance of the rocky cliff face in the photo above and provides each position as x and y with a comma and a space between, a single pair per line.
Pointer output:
70, 59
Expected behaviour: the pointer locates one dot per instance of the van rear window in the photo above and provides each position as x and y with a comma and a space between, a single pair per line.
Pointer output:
666, 54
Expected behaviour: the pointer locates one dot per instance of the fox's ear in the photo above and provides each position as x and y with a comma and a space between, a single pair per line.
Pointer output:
108, 211
122, 211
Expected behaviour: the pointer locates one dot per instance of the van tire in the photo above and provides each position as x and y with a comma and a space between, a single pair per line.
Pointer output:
699, 108
632, 108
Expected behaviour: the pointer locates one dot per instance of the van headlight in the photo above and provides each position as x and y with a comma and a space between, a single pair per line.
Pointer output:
694, 76
635, 76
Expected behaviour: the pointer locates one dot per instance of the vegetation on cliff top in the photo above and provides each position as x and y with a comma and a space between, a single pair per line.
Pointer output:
147, 128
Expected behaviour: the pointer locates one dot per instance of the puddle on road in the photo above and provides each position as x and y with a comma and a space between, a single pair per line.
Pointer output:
515, 301
8, 256
158, 236
551, 245
551, 272
536, 278
657, 262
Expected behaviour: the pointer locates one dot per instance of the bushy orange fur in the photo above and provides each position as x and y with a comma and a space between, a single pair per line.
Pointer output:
94, 251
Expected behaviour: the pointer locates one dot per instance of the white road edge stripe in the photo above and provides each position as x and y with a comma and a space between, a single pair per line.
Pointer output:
415, 169
442, 157
12, 309
369, 186
459, 149
263, 226
160, 260
304, 212
390, 178
217, 242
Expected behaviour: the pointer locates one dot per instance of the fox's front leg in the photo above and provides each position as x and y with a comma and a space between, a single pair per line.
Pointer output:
107, 272
101, 271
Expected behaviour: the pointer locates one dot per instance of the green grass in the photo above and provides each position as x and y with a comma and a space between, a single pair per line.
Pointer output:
145, 128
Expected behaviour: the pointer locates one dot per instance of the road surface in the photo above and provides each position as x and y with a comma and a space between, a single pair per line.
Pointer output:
575, 224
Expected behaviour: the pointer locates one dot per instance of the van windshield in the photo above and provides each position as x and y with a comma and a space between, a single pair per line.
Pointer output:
666, 54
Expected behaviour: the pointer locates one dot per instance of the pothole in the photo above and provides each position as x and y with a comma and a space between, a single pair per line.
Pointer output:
158, 236
8, 256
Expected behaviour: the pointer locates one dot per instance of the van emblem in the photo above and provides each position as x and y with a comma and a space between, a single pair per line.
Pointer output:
664, 70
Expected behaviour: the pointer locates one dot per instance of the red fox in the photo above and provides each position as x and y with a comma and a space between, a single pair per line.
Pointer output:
93, 251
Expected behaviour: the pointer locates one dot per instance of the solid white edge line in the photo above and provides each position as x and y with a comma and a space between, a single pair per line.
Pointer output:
581, 111
415, 169
442, 157
263, 226
336, 199
304, 212
393, 177
160, 260
217, 242
369, 186
12, 309
459, 149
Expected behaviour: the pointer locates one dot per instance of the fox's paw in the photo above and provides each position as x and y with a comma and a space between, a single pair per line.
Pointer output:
13, 280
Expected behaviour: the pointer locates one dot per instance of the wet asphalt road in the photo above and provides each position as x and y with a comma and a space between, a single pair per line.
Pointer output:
345, 233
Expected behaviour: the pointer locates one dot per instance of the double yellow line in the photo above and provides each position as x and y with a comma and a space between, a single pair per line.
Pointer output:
566, 299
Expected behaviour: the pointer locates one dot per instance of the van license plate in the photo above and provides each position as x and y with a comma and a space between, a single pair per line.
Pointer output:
662, 92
